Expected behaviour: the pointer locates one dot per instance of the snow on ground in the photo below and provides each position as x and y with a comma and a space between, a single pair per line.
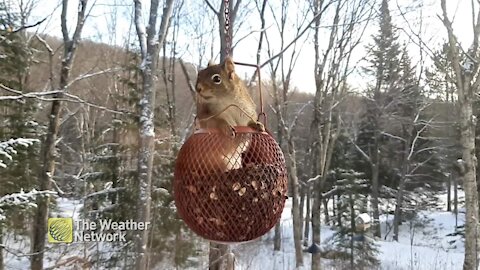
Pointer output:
428, 242
259, 254
67, 208
435, 244
19, 244
401, 256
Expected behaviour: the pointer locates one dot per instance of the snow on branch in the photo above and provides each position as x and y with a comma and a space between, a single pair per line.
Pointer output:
7, 148
367, 157
18, 95
21, 199
313, 179
393, 136
104, 192
331, 192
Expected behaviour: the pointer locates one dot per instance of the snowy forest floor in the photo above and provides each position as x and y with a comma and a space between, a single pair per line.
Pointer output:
427, 242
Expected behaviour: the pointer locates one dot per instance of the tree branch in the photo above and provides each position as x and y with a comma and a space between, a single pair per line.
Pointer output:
393, 136
30, 25
212, 8
140, 27
361, 151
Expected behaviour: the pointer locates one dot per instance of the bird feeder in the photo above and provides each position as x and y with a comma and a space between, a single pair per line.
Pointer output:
234, 204
362, 222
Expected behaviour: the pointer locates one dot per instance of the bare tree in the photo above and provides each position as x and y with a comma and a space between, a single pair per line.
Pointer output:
168, 70
283, 66
465, 65
49, 142
332, 67
227, 15
150, 41
409, 166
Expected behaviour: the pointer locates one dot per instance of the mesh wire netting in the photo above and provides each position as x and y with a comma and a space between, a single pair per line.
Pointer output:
230, 190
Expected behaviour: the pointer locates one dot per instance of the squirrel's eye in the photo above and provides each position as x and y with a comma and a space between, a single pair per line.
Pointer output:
216, 79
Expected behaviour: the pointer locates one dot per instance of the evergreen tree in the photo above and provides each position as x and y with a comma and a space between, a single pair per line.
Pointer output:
109, 184
441, 77
385, 67
17, 120
384, 53
442, 85
17, 124
352, 201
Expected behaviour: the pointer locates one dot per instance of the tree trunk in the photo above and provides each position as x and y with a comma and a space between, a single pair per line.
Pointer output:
1, 248
469, 184
297, 222
48, 169
316, 210
150, 44
116, 161
352, 229
455, 200
466, 89
277, 237
375, 193
226, 43
449, 192
306, 230
409, 146
398, 208
334, 209
48, 149
230, 261
325, 211
302, 203
339, 212
217, 256
279, 108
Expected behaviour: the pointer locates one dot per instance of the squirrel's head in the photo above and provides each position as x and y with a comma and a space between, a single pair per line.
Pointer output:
217, 80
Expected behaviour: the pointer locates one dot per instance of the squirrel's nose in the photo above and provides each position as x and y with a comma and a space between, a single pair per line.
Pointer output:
199, 88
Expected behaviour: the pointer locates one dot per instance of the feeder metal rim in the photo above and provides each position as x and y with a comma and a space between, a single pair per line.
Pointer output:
238, 129
233, 243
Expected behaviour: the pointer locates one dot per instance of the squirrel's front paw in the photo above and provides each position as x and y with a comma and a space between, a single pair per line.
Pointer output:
228, 131
257, 125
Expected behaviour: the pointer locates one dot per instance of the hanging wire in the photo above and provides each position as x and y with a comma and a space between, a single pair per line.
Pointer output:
228, 49
228, 38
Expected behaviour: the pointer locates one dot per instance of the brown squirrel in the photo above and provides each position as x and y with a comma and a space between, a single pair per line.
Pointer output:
218, 87
223, 102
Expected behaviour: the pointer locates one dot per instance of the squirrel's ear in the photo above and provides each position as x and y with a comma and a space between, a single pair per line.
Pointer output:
210, 63
229, 66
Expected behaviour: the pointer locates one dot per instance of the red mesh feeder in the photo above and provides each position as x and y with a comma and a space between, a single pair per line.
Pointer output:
231, 189
237, 197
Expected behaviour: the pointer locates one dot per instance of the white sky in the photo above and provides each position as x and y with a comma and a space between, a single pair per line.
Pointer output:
110, 22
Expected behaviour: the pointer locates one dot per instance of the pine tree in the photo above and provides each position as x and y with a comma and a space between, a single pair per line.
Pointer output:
385, 52
406, 112
109, 184
441, 77
441, 84
17, 120
17, 123
352, 201
384, 66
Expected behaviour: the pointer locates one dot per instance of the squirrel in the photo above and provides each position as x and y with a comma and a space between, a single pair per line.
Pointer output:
223, 102
218, 86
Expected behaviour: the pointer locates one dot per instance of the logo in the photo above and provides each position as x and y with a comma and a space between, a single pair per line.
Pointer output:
60, 230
